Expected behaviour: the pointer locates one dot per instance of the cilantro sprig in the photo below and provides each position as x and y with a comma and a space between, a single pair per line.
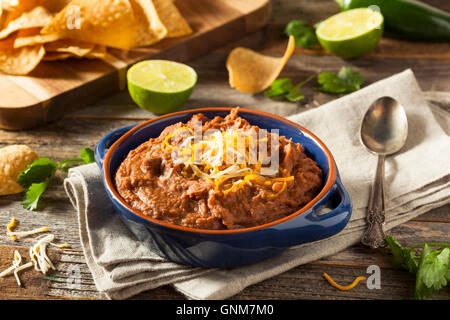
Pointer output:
344, 82
37, 176
284, 89
431, 267
304, 34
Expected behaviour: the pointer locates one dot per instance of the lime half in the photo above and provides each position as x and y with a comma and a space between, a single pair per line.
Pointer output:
160, 86
352, 33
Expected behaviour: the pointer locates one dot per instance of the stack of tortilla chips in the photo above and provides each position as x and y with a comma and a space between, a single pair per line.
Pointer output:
35, 30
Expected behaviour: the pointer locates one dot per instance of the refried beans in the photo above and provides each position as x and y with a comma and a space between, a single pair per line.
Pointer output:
207, 194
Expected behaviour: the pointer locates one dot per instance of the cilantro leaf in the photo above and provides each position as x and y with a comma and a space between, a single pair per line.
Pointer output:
411, 260
87, 155
295, 94
284, 87
303, 33
37, 172
37, 176
33, 194
432, 268
403, 258
344, 82
421, 291
279, 87
397, 252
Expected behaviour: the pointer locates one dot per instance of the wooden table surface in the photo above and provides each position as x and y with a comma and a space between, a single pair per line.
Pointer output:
65, 138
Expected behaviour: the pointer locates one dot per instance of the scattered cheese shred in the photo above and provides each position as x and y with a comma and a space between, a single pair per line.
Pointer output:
62, 245
344, 288
22, 234
20, 268
38, 252
9, 228
16, 267
223, 158
39, 256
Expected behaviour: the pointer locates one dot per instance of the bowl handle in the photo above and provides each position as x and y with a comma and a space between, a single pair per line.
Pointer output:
106, 142
311, 225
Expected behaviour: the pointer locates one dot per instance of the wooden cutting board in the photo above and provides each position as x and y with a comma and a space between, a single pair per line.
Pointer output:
57, 88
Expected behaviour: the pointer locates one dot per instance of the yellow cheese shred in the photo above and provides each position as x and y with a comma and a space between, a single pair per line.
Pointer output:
215, 148
344, 288
9, 228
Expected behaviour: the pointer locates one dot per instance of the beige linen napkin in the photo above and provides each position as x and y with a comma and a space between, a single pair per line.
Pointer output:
417, 180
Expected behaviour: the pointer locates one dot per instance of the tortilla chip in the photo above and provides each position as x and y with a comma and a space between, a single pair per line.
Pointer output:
252, 72
2, 17
53, 56
21, 6
19, 61
172, 19
98, 52
75, 47
13, 160
18, 5
36, 17
23, 41
148, 27
105, 22
28, 32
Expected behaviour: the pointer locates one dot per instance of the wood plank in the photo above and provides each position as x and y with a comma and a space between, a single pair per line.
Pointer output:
272, 41
213, 87
294, 284
310, 284
317, 10
61, 87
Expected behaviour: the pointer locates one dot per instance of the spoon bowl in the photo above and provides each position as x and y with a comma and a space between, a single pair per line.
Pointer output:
384, 127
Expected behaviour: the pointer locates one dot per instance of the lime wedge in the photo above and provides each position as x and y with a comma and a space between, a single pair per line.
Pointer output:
352, 33
160, 86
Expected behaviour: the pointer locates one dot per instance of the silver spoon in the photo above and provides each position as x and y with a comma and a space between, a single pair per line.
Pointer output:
384, 130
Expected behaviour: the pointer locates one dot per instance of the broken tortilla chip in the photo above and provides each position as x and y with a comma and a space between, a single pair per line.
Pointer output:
20, 6
110, 23
13, 160
19, 61
36, 17
23, 41
172, 19
252, 72
98, 52
148, 27
53, 56
75, 47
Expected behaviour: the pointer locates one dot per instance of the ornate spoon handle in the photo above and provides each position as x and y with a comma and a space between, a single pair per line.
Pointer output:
374, 234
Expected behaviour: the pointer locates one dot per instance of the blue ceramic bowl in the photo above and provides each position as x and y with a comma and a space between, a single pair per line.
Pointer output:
228, 248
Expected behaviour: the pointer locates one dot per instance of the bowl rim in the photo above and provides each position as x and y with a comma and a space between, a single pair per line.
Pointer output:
328, 185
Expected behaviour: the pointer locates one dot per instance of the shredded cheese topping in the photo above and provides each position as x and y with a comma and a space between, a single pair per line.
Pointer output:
225, 158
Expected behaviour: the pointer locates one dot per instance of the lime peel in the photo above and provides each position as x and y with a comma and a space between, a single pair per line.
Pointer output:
352, 33
160, 86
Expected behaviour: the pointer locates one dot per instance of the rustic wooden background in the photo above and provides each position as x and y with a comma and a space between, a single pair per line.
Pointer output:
65, 138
